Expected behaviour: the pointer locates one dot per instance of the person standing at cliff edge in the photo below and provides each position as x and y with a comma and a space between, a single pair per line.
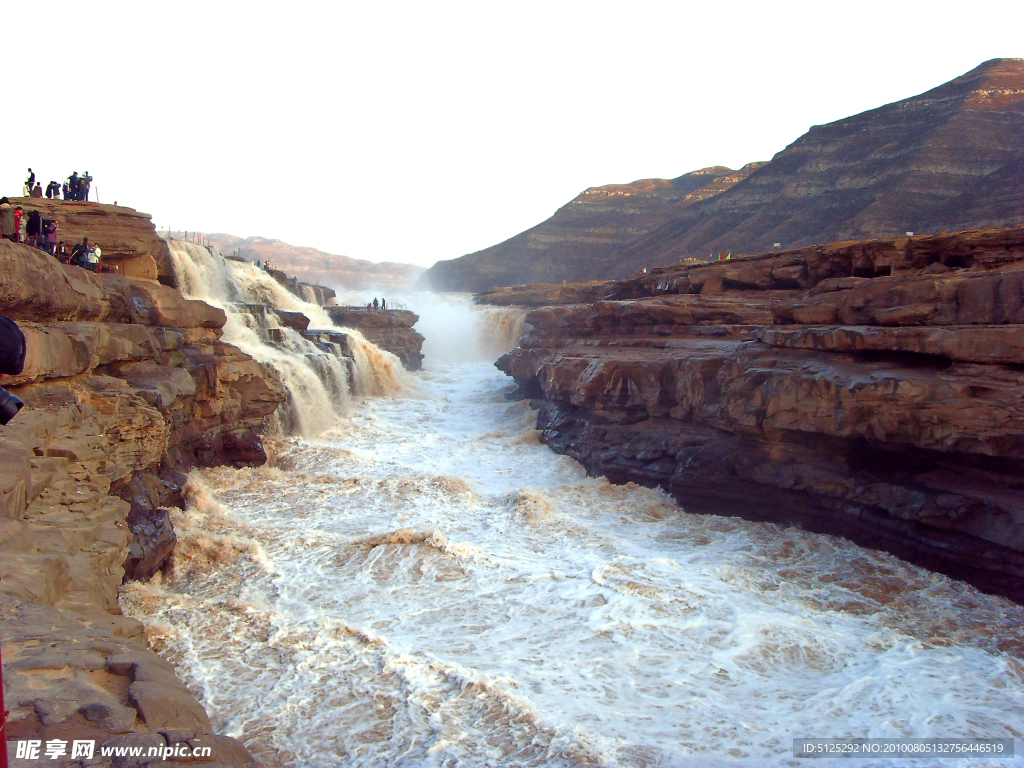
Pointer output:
31, 181
73, 185
84, 181
34, 228
6, 219
50, 236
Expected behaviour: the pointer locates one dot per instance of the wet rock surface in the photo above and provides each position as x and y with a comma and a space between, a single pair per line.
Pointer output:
870, 390
68, 678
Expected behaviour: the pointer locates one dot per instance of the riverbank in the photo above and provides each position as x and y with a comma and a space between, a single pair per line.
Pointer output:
870, 390
127, 385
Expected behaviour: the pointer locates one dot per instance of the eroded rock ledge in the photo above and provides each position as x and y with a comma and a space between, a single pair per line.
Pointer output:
869, 389
126, 386
390, 329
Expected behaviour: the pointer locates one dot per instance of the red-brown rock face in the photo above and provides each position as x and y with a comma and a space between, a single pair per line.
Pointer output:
867, 389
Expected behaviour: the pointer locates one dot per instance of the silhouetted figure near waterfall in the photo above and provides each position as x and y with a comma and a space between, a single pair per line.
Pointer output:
376, 305
383, 304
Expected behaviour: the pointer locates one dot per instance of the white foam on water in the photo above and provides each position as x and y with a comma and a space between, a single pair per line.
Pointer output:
426, 584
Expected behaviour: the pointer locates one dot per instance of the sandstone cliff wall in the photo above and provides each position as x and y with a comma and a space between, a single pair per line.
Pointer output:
126, 386
126, 237
868, 389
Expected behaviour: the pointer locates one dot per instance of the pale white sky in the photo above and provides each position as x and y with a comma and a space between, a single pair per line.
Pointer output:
418, 131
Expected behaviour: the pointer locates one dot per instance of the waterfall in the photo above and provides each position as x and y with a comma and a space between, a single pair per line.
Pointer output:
322, 368
455, 329
501, 329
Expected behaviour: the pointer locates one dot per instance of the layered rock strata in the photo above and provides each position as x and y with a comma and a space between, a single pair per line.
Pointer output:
127, 238
587, 230
945, 160
544, 294
390, 329
126, 386
869, 389
949, 159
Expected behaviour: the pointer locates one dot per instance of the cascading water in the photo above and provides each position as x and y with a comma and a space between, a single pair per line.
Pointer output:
501, 329
317, 376
454, 328
428, 585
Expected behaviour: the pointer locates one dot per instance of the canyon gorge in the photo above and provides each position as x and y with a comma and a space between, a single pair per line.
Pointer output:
127, 386
703, 505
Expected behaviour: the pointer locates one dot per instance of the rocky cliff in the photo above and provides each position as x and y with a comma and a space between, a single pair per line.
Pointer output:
947, 160
866, 389
389, 329
594, 225
127, 238
310, 265
126, 386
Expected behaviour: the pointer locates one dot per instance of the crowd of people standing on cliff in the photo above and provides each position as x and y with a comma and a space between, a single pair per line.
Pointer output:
75, 187
33, 230
375, 305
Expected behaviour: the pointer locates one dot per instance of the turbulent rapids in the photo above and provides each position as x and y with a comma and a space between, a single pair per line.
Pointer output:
424, 583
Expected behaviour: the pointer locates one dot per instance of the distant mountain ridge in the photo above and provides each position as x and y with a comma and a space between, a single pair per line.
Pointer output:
596, 223
310, 265
949, 159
